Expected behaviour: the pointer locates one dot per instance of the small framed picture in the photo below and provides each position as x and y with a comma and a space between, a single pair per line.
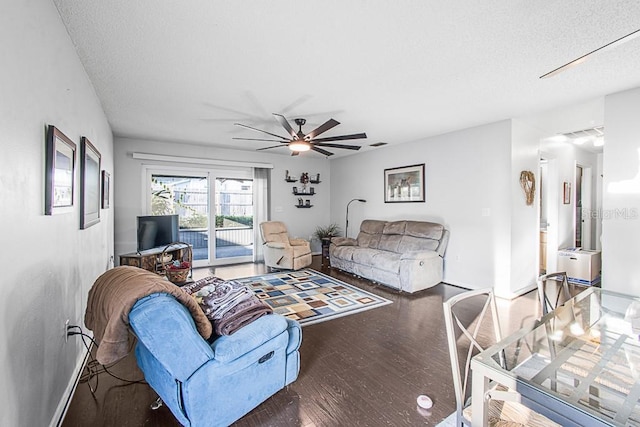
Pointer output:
295, 190
566, 198
106, 178
59, 173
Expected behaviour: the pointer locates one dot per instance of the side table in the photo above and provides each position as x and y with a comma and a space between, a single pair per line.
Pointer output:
326, 241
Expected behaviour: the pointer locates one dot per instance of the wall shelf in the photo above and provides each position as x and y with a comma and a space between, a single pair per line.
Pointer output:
310, 191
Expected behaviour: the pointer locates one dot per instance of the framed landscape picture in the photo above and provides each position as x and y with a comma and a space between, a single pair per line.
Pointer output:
404, 184
89, 184
59, 172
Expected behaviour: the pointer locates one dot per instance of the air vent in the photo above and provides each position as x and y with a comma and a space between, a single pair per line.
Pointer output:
586, 133
377, 144
591, 136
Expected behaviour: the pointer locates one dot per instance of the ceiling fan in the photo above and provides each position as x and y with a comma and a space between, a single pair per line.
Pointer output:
299, 141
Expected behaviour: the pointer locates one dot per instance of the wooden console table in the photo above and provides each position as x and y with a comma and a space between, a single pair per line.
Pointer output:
151, 258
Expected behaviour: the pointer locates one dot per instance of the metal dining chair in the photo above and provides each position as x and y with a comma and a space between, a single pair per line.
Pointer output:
553, 291
471, 328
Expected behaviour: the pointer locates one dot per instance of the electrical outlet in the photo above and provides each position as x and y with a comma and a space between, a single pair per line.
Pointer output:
66, 330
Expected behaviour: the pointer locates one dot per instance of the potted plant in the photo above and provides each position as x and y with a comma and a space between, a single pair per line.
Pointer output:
331, 230
324, 234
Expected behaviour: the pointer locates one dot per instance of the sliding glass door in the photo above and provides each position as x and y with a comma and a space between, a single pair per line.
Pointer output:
188, 196
215, 209
234, 219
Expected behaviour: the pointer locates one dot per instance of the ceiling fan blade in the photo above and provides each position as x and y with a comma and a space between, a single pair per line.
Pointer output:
341, 137
348, 147
260, 139
321, 151
260, 130
285, 124
267, 148
329, 124
584, 57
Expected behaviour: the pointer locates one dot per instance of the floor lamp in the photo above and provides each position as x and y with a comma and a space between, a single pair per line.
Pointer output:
346, 229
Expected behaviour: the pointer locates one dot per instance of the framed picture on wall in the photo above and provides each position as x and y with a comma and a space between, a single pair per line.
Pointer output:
566, 194
404, 184
89, 184
59, 173
106, 178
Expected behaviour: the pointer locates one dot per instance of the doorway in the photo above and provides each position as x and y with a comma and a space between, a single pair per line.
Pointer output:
548, 212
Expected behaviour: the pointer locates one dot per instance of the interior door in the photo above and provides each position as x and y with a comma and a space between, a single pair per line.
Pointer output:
578, 233
586, 205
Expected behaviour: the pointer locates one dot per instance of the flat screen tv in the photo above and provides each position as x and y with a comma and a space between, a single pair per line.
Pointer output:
157, 230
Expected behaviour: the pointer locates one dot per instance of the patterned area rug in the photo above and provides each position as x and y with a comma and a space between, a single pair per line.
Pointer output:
311, 297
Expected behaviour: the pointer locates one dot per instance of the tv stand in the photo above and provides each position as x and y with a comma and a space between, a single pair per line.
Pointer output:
151, 258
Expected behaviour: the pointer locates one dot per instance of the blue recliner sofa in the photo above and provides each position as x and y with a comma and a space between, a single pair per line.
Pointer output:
212, 384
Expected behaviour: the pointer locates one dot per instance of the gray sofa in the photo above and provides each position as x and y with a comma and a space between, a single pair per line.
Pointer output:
406, 255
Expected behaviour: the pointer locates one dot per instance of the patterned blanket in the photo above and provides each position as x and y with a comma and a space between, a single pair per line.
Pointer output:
229, 305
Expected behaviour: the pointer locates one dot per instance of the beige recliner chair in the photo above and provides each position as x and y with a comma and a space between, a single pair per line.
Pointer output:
280, 251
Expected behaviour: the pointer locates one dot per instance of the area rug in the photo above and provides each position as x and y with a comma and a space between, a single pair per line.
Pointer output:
311, 297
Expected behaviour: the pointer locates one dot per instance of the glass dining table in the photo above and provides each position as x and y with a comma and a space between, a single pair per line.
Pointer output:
579, 365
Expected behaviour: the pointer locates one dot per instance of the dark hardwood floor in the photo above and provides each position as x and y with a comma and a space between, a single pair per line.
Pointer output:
365, 369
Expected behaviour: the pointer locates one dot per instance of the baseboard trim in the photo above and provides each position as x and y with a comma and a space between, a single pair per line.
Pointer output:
508, 296
63, 406
513, 295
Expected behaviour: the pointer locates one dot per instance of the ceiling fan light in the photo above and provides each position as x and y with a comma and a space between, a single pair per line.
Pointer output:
299, 146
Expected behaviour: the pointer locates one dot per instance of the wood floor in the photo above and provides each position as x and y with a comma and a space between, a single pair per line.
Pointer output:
365, 369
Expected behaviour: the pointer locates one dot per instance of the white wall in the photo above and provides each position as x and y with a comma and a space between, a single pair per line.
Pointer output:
49, 264
524, 218
621, 193
468, 188
129, 195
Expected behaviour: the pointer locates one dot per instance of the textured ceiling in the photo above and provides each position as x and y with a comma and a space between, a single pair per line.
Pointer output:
186, 71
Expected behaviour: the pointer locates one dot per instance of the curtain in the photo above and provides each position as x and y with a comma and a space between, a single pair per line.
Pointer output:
261, 186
